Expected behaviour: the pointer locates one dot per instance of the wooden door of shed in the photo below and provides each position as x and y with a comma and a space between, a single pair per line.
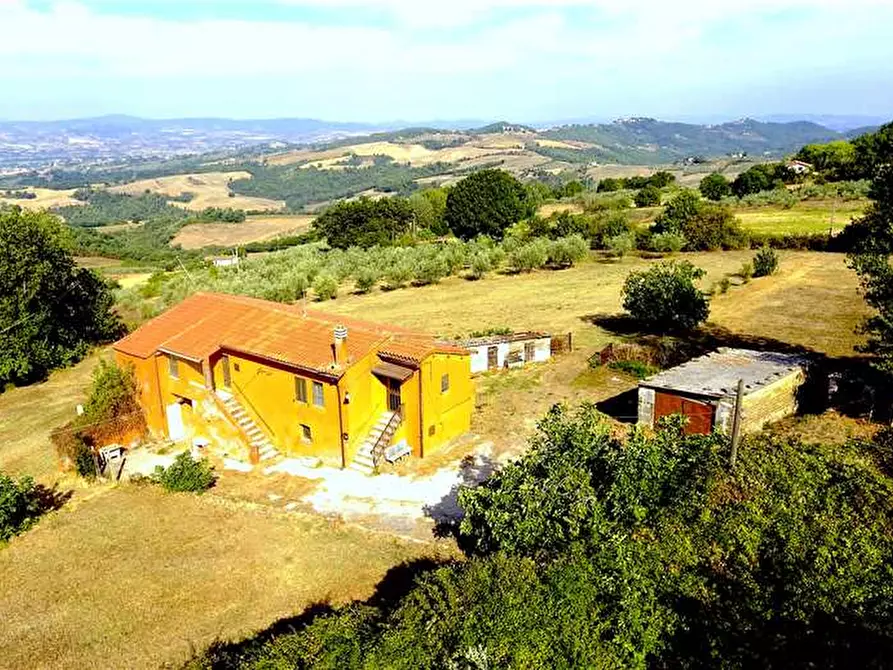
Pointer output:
699, 414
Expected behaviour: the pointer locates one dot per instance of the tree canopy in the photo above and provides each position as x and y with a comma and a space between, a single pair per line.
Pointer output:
365, 222
715, 186
485, 203
51, 311
664, 297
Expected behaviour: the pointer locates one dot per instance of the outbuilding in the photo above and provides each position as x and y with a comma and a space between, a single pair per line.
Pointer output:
704, 390
507, 351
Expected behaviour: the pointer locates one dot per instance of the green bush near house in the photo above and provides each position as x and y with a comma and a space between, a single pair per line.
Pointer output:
765, 262
185, 474
19, 505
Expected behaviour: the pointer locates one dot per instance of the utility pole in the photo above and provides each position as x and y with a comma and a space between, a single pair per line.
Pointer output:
736, 424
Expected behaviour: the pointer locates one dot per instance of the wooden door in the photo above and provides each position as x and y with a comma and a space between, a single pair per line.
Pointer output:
492, 358
699, 414
227, 375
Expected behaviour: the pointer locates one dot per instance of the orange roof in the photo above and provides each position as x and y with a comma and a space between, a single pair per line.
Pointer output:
208, 322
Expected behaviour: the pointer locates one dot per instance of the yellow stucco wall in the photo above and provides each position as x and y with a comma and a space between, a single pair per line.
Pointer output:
447, 415
772, 402
267, 393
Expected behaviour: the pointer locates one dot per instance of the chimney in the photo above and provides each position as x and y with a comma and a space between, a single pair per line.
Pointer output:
340, 345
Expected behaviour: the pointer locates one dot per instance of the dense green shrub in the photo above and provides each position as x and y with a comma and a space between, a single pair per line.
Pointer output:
566, 251
637, 369
185, 474
681, 209
714, 227
530, 256
665, 297
715, 186
19, 505
480, 265
667, 242
364, 222
367, 278
746, 272
765, 262
622, 244
647, 197
325, 286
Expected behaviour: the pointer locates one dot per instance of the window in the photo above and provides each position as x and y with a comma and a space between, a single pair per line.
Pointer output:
300, 389
444, 383
318, 399
529, 351
173, 367
306, 433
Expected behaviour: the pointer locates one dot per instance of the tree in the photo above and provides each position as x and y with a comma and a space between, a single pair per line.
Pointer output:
648, 197
686, 205
665, 298
715, 186
763, 177
365, 222
429, 207
713, 227
871, 238
485, 203
51, 311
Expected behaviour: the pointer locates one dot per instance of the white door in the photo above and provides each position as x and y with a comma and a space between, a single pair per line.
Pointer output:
175, 429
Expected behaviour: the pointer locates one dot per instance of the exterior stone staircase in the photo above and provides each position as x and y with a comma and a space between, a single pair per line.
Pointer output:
381, 435
257, 438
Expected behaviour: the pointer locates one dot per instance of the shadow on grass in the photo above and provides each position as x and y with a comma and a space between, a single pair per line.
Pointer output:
49, 499
446, 513
393, 587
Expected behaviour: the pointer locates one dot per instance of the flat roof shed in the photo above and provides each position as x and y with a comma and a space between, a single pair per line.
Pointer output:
704, 389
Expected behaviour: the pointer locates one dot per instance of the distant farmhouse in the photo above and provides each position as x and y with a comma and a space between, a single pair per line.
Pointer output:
269, 379
507, 351
704, 390
799, 167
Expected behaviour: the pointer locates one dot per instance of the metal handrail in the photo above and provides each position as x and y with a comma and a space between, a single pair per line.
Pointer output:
378, 448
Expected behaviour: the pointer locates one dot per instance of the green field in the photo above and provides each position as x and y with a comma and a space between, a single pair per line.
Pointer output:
804, 217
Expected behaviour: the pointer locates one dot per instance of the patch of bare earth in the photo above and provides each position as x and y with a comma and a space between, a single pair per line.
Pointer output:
253, 229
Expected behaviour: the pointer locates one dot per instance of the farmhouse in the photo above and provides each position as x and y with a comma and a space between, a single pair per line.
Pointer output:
505, 351
278, 380
704, 390
799, 167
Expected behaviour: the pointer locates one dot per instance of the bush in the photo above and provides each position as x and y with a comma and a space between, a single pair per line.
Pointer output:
429, 270
636, 369
485, 203
724, 285
567, 251
714, 227
715, 187
746, 272
622, 244
530, 256
185, 474
668, 242
765, 262
647, 197
325, 287
19, 505
480, 265
367, 278
665, 297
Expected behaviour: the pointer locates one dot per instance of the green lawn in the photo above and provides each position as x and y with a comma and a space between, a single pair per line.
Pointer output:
804, 217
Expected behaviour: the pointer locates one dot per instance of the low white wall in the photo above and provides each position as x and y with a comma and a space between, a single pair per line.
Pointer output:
506, 350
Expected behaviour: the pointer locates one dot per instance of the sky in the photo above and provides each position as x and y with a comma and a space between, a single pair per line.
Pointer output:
413, 60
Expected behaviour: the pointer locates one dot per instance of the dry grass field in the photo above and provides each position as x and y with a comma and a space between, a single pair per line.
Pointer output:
47, 198
804, 217
555, 207
253, 229
813, 301
29, 414
211, 189
132, 577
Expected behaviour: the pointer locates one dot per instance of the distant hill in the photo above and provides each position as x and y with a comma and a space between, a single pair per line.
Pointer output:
117, 137
648, 141
107, 140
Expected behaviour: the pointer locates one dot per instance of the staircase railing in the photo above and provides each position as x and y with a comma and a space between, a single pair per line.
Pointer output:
382, 442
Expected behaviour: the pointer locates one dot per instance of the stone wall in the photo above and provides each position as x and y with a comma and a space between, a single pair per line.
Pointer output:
771, 403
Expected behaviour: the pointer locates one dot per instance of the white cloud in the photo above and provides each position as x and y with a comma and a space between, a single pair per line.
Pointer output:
473, 52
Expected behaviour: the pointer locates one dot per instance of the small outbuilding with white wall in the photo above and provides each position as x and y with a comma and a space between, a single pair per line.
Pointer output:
506, 351
704, 390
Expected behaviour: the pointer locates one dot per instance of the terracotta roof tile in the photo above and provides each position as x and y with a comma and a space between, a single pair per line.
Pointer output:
206, 322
